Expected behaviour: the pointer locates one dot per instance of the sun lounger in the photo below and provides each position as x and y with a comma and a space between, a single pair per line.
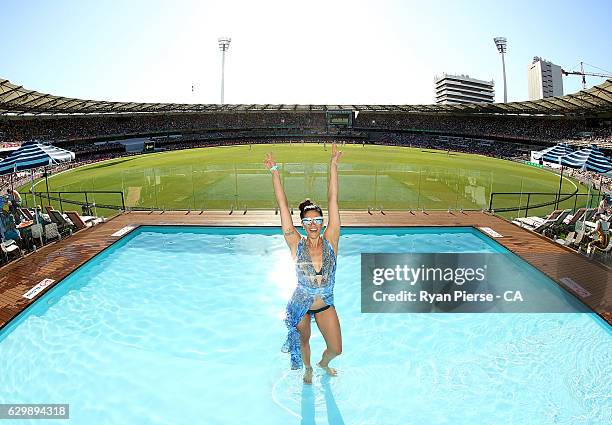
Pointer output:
93, 219
570, 220
589, 214
26, 213
541, 227
528, 221
63, 225
548, 224
77, 221
536, 221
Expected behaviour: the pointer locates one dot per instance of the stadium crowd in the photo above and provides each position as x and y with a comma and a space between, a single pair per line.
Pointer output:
89, 148
508, 137
598, 181
505, 150
60, 129
512, 127
89, 127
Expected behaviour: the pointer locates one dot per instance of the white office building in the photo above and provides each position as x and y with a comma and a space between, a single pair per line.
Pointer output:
545, 79
453, 89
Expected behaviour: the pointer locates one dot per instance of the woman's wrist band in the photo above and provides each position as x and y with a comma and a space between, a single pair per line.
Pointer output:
273, 168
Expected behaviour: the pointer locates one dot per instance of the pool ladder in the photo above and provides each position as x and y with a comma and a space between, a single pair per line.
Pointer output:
370, 210
232, 209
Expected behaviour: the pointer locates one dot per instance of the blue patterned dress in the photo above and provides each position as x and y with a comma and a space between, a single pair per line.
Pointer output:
306, 292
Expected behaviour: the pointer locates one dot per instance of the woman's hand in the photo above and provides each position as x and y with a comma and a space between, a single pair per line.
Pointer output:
269, 162
336, 154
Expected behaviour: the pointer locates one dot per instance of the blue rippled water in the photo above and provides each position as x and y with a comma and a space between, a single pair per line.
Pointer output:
182, 325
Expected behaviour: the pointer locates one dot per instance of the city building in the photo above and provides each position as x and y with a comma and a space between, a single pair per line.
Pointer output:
452, 89
544, 79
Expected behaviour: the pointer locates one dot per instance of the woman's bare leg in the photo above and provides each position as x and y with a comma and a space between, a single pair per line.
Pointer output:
329, 325
304, 330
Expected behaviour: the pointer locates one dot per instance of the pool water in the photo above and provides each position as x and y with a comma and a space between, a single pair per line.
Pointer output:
183, 325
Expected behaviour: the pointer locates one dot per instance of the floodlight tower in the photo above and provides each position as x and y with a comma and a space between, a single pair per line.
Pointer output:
500, 42
224, 43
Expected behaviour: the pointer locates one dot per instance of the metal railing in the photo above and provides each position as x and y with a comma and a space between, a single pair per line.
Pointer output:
592, 200
88, 198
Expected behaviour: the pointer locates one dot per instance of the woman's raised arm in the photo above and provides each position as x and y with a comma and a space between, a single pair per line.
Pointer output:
332, 232
292, 237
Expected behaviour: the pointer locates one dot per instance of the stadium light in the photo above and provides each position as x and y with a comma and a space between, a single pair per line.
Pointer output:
224, 43
500, 43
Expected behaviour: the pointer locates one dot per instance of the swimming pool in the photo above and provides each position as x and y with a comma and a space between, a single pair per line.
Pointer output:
182, 325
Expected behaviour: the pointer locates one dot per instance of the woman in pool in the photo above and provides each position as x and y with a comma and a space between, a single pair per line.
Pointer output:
315, 262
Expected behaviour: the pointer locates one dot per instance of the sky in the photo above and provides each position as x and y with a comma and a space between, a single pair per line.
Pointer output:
284, 52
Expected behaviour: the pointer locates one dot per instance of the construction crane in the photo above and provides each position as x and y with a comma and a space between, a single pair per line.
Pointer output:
584, 74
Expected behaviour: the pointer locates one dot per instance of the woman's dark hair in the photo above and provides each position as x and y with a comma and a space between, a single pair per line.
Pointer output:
308, 205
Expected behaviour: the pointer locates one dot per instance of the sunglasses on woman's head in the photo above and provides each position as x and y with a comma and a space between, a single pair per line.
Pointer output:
317, 220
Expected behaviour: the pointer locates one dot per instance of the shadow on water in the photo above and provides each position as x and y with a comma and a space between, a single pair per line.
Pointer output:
334, 417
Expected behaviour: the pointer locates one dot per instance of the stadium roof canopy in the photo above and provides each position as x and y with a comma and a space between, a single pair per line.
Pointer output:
17, 100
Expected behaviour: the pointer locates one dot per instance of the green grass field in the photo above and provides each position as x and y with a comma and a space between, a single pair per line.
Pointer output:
392, 177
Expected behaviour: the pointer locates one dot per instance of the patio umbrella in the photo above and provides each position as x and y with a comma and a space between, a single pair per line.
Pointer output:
588, 159
33, 155
554, 154
540, 154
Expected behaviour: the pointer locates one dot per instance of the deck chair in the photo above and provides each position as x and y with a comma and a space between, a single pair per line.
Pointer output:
63, 225
571, 220
26, 213
77, 220
9, 247
541, 227
589, 214
535, 221
568, 222
548, 224
92, 219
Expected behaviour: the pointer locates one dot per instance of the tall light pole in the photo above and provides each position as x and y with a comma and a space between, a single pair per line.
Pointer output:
500, 42
224, 43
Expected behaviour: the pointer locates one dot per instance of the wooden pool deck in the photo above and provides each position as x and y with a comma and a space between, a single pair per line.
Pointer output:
589, 281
